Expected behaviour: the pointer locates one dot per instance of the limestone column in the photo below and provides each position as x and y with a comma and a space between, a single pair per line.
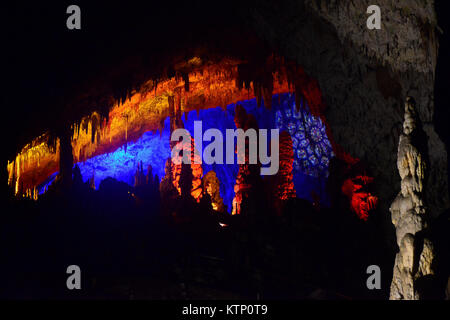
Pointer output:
413, 262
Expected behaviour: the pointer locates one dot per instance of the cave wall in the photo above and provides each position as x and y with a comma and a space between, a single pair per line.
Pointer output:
365, 76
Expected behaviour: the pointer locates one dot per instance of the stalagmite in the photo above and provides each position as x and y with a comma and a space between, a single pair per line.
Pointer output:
65, 158
248, 178
92, 181
284, 178
139, 176
149, 178
413, 263
196, 168
211, 185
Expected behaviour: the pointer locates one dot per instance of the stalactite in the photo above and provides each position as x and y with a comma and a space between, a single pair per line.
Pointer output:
210, 86
178, 122
186, 81
171, 101
94, 128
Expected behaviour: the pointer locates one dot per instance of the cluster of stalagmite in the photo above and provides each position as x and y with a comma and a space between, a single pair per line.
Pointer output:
141, 179
413, 263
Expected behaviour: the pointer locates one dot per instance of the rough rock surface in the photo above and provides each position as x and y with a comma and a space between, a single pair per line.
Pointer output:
211, 185
409, 215
365, 75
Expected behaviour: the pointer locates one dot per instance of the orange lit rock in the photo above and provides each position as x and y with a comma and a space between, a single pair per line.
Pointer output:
196, 168
249, 174
197, 84
211, 185
33, 164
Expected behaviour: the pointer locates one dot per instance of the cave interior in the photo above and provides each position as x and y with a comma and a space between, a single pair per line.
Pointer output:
90, 178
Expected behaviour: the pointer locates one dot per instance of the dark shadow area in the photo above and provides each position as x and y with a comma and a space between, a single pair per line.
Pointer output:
128, 246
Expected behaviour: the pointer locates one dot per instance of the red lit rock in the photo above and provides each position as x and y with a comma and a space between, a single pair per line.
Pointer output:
361, 200
280, 187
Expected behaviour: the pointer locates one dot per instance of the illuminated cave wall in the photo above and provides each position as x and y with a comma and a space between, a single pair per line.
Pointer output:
310, 173
312, 149
150, 149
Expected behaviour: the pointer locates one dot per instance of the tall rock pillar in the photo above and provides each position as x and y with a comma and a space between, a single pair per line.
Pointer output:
413, 262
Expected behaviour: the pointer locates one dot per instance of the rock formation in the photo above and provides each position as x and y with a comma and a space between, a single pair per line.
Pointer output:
285, 184
362, 202
281, 186
149, 178
211, 185
139, 176
248, 178
343, 54
195, 166
413, 262
192, 177
168, 192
